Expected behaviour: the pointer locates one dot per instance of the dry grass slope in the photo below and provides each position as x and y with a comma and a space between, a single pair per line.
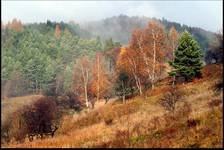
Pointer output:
142, 122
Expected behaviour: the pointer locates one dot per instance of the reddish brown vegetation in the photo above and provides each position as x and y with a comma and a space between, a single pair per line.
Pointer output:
170, 98
214, 103
57, 32
37, 119
15, 25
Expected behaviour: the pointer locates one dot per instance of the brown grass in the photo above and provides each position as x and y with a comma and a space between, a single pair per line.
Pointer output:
141, 122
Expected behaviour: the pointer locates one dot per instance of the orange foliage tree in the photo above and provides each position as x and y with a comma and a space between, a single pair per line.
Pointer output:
100, 83
143, 58
155, 34
150, 44
130, 62
81, 77
57, 32
15, 25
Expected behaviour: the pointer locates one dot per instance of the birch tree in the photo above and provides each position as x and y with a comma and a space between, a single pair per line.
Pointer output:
156, 35
100, 82
81, 77
173, 41
150, 44
129, 61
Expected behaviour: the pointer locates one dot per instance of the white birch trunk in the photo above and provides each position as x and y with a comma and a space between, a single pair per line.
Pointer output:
145, 60
98, 78
174, 78
154, 60
85, 82
134, 72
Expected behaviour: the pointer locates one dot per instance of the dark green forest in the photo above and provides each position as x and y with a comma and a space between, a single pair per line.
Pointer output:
33, 57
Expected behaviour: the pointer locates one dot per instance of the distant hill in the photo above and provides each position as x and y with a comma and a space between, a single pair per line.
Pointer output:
49, 26
120, 28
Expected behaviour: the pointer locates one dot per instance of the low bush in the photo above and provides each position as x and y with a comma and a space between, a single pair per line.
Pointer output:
214, 102
69, 101
170, 98
183, 112
38, 119
193, 122
108, 121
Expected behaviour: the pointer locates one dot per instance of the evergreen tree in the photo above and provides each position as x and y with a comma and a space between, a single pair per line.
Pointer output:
187, 61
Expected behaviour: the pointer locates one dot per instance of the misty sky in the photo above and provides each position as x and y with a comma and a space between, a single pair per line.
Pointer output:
205, 14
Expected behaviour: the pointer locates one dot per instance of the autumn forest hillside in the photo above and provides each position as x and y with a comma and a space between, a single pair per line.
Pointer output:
143, 122
119, 82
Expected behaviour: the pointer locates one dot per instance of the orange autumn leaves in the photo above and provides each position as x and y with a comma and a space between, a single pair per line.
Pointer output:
91, 78
130, 62
100, 78
144, 56
144, 60
15, 25
57, 32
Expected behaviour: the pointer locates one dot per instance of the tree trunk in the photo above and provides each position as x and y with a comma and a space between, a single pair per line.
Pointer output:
123, 98
123, 92
86, 96
138, 84
36, 87
140, 87
98, 78
174, 78
145, 60
85, 83
154, 61
134, 72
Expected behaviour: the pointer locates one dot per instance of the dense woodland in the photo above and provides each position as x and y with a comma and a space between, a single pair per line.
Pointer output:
45, 57
39, 57
64, 61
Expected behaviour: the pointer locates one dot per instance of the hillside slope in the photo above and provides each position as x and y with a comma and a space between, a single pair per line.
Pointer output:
142, 122
120, 28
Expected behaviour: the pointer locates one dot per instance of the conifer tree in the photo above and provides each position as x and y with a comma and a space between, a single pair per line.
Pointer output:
187, 58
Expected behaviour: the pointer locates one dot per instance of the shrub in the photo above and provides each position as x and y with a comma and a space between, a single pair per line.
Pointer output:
5, 129
122, 138
170, 132
68, 101
183, 112
157, 134
18, 128
170, 98
193, 122
214, 102
219, 85
41, 118
108, 121
73, 101
33, 120
14, 128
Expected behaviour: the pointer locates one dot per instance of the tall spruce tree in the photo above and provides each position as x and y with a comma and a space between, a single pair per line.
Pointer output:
187, 61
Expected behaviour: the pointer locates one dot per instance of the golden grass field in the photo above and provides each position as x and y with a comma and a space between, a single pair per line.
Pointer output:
142, 122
